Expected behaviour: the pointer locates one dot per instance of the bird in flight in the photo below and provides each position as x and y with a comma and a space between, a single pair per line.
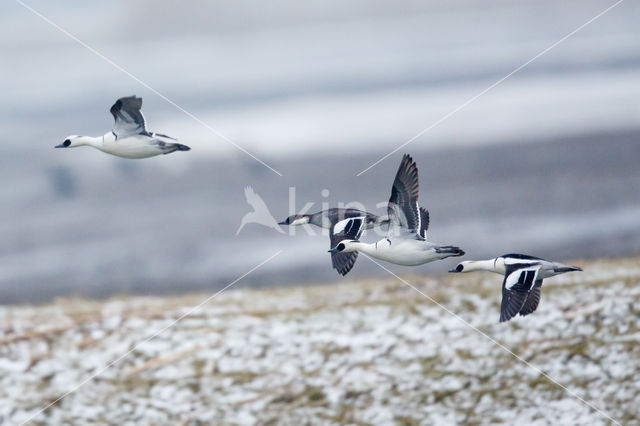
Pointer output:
328, 219
405, 243
129, 137
523, 275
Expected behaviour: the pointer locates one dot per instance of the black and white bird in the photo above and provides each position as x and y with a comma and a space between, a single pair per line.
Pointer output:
328, 219
405, 243
522, 282
129, 137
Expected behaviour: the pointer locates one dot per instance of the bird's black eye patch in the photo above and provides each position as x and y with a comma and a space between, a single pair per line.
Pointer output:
340, 247
66, 143
459, 268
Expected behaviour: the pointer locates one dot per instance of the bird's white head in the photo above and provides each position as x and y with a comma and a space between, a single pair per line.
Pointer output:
345, 246
478, 265
73, 141
466, 266
296, 220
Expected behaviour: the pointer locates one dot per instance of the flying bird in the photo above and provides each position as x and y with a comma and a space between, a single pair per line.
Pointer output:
129, 137
522, 282
260, 213
405, 243
341, 262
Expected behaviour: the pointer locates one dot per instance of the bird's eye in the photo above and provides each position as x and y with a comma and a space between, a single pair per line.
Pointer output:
66, 143
340, 247
459, 268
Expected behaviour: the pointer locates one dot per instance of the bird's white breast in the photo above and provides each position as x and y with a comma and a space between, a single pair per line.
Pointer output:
137, 146
404, 252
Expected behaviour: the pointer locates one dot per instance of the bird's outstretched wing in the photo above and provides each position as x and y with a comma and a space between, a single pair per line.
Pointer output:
424, 222
346, 229
533, 299
403, 210
343, 262
350, 228
128, 117
160, 135
518, 281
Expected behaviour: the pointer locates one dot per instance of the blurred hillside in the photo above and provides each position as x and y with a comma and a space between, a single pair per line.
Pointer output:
365, 352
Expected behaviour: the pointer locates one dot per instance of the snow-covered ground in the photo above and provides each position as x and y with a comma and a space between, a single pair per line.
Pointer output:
375, 352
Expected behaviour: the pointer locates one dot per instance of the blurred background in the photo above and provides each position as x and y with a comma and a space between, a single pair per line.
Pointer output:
546, 163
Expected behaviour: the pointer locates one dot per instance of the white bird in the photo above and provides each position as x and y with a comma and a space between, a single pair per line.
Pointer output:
405, 243
522, 282
129, 137
260, 213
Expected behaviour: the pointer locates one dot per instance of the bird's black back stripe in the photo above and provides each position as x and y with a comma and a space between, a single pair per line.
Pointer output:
521, 256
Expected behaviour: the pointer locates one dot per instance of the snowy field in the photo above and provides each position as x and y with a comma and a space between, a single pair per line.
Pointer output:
374, 352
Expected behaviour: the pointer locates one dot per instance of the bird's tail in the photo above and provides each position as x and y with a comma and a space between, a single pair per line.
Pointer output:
450, 251
181, 147
173, 147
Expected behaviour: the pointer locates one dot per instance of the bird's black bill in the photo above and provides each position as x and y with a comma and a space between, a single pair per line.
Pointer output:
333, 250
60, 146
284, 222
